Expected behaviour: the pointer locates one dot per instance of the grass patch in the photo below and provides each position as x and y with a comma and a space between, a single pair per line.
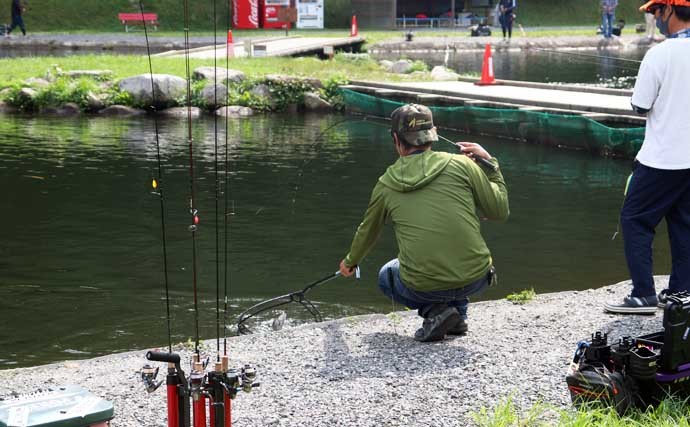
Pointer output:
672, 411
522, 297
19, 69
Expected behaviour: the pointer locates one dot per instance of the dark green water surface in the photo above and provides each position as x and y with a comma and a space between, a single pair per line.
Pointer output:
80, 243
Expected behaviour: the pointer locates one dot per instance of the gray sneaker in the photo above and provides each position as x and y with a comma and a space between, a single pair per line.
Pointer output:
434, 328
460, 328
634, 305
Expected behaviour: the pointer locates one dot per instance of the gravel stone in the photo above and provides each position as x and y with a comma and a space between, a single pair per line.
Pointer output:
368, 371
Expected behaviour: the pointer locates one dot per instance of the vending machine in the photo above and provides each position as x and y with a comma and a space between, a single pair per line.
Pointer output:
310, 14
270, 10
245, 14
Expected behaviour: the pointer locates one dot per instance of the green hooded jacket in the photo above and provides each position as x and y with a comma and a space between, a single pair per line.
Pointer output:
432, 199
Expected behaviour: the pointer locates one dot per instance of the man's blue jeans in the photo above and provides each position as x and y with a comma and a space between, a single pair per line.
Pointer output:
655, 194
607, 23
393, 287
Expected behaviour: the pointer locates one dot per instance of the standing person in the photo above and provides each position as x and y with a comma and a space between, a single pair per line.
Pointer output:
660, 184
17, 20
608, 16
506, 16
431, 198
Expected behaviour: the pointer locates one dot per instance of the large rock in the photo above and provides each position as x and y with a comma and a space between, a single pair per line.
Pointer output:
386, 64
234, 111
37, 82
94, 74
261, 90
166, 87
313, 102
94, 102
441, 73
25, 96
121, 110
220, 74
181, 112
68, 109
214, 95
6, 108
402, 66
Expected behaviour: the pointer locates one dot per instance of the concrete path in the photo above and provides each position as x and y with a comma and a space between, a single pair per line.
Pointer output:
279, 46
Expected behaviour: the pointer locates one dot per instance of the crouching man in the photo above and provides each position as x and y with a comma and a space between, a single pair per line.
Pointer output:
432, 198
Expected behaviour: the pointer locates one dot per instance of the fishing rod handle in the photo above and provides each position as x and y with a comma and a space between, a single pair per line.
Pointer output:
159, 356
484, 162
487, 163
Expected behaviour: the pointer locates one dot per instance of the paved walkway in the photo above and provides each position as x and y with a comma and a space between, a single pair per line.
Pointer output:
277, 46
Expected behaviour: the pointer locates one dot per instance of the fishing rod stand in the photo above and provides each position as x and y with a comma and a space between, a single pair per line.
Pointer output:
203, 392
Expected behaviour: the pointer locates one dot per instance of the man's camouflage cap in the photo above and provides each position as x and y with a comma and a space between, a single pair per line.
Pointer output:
414, 123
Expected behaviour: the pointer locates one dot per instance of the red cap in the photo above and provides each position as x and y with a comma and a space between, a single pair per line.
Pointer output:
649, 5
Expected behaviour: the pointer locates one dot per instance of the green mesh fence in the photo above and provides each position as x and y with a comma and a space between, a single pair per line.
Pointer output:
572, 131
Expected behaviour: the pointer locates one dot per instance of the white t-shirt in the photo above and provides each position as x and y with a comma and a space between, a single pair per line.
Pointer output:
663, 85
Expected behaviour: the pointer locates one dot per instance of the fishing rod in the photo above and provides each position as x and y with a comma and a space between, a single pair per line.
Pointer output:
317, 141
298, 297
481, 160
157, 185
210, 392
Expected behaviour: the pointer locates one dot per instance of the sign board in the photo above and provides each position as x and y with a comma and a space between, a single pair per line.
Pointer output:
310, 14
259, 50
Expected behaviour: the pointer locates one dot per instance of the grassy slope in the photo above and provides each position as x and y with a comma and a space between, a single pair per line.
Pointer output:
100, 15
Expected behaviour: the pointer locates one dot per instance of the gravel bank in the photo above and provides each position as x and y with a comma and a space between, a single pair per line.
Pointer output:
367, 370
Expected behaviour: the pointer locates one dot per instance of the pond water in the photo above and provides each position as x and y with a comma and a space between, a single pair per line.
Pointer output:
81, 255
609, 68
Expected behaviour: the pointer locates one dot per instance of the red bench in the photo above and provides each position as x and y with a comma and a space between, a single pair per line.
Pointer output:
127, 19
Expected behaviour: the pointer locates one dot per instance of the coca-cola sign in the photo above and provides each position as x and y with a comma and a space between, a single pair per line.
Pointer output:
245, 14
254, 14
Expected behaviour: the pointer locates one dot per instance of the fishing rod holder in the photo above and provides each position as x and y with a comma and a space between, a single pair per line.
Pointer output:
189, 397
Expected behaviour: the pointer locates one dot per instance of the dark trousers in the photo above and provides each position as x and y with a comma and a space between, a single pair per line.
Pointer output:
506, 20
655, 194
17, 21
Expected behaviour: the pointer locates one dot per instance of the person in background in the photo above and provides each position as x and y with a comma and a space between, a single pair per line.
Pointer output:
659, 187
432, 199
506, 9
17, 20
608, 16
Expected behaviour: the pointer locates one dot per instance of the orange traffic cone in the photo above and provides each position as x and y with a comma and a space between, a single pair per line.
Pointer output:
354, 30
488, 77
230, 47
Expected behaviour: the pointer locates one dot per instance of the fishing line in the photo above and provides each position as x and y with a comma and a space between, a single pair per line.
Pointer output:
157, 184
226, 278
636, 61
192, 210
599, 57
217, 181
